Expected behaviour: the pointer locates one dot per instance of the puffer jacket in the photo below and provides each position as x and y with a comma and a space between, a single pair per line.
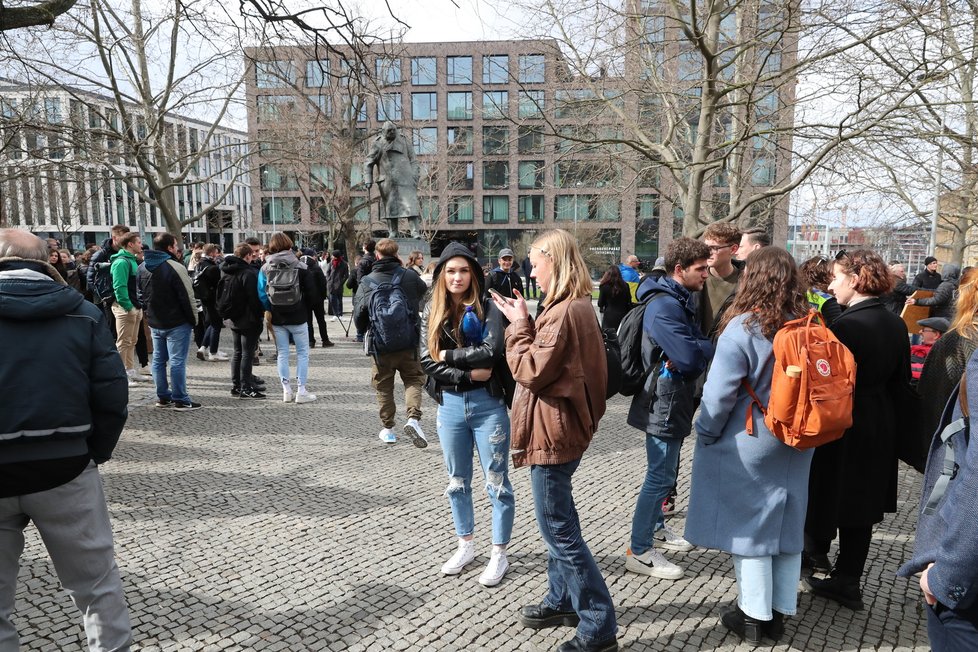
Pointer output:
561, 372
453, 374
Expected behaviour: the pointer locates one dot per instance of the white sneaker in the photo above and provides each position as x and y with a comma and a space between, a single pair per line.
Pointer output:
133, 376
669, 540
202, 353
652, 563
333, 318
220, 356
287, 395
462, 556
303, 396
131, 382
413, 430
387, 436
495, 569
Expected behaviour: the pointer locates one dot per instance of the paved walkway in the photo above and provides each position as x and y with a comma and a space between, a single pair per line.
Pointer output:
268, 526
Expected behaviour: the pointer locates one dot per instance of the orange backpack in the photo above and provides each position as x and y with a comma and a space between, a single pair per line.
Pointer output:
812, 386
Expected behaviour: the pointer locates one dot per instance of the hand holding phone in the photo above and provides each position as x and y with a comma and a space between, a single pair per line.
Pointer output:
496, 294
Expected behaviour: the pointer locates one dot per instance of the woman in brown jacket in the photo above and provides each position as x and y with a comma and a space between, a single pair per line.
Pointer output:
561, 374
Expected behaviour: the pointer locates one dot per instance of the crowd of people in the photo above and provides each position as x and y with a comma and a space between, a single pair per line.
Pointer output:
531, 390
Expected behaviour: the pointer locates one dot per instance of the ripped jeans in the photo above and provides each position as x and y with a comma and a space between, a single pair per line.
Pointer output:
476, 419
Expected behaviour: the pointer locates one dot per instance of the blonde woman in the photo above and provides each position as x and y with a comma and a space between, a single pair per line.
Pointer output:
459, 362
561, 374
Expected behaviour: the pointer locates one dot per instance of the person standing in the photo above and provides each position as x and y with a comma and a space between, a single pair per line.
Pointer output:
928, 278
723, 239
246, 315
751, 240
663, 410
336, 276
941, 304
206, 276
126, 307
167, 294
363, 267
51, 478
99, 275
841, 499
614, 298
463, 365
317, 311
504, 278
761, 524
561, 373
404, 321
531, 281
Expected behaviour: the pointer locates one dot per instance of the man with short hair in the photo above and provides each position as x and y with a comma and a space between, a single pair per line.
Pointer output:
386, 364
206, 276
504, 279
127, 310
99, 276
167, 295
55, 431
928, 278
751, 240
364, 267
531, 281
664, 408
723, 239
629, 269
246, 317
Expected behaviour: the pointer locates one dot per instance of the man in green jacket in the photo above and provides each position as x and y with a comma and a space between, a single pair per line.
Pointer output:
127, 310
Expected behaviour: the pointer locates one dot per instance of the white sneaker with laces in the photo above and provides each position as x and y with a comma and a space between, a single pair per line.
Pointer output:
387, 436
287, 395
220, 356
666, 539
462, 556
652, 563
412, 429
495, 569
302, 396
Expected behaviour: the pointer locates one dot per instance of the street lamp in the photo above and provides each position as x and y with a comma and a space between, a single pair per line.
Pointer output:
935, 212
271, 204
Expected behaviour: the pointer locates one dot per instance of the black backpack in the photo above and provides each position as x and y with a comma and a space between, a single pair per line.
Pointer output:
630, 334
393, 323
282, 285
231, 301
102, 279
203, 290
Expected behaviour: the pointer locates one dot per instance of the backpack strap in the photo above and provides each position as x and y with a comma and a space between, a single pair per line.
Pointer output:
750, 408
398, 275
950, 466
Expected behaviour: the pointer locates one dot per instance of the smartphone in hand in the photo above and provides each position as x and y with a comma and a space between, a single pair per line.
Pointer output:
496, 295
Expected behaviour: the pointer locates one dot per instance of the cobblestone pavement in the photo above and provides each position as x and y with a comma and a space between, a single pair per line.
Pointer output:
258, 525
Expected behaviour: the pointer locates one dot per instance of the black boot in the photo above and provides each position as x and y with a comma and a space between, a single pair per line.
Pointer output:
774, 628
538, 616
815, 562
742, 625
840, 588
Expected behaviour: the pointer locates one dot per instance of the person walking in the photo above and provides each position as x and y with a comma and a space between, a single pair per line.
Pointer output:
51, 451
394, 340
614, 298
284, 286
167, 294
561, 372
761, 524
463, 353
126, 307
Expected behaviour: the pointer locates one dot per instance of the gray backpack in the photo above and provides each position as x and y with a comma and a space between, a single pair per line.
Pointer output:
283, 284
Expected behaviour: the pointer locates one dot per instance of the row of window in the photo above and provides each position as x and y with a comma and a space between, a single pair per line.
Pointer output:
424, 71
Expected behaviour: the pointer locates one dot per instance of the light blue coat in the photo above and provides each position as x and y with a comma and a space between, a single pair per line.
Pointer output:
749, 493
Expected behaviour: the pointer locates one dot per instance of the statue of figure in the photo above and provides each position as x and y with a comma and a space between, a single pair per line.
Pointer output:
397, 175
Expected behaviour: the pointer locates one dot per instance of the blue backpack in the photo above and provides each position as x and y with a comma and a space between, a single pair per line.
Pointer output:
393, 323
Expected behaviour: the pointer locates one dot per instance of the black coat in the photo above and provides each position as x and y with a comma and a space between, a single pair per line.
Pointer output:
613, 307
382, 272
927, 280
853, 480
942, 370
253, 316
336, 277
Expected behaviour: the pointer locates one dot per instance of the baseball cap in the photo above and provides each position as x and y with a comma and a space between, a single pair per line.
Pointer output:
507, 252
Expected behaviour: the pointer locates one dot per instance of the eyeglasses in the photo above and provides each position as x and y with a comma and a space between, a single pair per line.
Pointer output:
715, 248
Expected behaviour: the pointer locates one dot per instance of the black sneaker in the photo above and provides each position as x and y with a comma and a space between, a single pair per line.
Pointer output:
327, 344
164, 403
256, 380
251, 393
840, 588
538, 616
235, 391
186, 407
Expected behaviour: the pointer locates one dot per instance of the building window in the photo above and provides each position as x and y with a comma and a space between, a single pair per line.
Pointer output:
388, 71
424, 71
495, 175
529, 208
274, 107
495, 69
532, 69
459, 70
582, 208
495, 140
424, 106
272, 178
356, 109
531, 174
274, 74
425, 140
579, 103
587, 174
460, 141
461, 175
323, 104
320, 177
461, 210
320, 211
530, 140
495, 104
531, 104
317, 72
647, 207
281, 210
430, 210
459, 106
495, 209
389, 107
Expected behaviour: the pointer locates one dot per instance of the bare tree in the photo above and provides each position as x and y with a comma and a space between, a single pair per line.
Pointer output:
32, 15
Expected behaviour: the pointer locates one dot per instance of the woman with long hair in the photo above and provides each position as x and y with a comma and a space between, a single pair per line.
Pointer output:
853, 480
561, 374
762, 523
614, 298
415, 261
462, 350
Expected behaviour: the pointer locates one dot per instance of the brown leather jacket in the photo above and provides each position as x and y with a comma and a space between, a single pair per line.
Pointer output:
561, 376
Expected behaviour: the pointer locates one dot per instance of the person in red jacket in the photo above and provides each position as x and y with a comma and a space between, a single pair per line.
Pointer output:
931, 330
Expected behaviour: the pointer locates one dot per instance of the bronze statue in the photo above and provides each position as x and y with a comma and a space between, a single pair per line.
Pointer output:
397, 175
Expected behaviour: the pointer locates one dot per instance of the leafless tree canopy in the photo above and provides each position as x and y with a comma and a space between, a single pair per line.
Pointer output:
32, 15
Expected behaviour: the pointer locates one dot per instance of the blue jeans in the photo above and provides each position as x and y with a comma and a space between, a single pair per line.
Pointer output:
476, 419
336, 304
574, 580
300, 335
768, 582
662, 457
171, 345
952, 630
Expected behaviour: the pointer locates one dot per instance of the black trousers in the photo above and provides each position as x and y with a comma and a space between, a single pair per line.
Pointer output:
853, 549
317, 310
242, 359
